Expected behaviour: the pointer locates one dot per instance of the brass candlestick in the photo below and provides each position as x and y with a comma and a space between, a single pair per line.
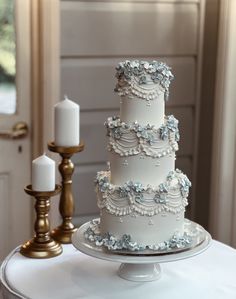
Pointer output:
42, 245
64, 232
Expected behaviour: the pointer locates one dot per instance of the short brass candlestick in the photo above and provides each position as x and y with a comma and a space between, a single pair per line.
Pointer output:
42, 245
64, 232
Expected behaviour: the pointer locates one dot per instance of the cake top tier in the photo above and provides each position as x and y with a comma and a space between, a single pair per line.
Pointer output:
143, 79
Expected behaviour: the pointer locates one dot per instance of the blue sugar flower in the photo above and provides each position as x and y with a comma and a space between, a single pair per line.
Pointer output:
163, 188
159, 198
170, 176
185, 184
164, 133
172, 123
177, 136
104, 187
128, 186
122, 192
117, 133
138, 187
138, 197
143, 80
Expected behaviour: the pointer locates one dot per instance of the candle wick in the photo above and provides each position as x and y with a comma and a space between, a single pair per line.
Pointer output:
65, 97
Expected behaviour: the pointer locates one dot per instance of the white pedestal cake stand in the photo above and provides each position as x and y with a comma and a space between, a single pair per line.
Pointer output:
143, 267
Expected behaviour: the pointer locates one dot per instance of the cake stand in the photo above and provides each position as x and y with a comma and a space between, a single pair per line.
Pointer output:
143, 267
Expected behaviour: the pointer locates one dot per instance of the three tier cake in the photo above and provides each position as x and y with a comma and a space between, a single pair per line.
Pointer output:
141, 197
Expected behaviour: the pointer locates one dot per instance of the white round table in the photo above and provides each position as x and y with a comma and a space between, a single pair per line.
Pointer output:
73, 275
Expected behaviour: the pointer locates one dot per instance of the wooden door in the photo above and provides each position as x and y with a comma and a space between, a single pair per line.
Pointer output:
15, 154
95, 36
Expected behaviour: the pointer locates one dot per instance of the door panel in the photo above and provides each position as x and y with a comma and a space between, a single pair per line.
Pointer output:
116, 28
93, 131
84, 190
185, 164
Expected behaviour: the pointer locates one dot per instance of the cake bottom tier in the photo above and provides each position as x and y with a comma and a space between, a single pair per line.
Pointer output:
138, 215
143, 230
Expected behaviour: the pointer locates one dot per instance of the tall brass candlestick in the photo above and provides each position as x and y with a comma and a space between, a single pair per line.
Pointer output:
64, 232
42, 245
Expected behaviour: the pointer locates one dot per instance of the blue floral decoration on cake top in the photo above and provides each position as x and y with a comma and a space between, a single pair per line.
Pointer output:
144, 73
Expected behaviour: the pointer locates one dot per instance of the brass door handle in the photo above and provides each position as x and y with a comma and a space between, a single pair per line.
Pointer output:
19, 130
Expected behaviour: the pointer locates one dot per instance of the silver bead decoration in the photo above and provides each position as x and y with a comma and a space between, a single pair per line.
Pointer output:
125, 162
150, 222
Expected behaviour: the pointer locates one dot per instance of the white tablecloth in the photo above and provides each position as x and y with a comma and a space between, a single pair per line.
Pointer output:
209, 275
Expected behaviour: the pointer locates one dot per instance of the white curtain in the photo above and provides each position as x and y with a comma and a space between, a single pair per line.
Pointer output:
223, 187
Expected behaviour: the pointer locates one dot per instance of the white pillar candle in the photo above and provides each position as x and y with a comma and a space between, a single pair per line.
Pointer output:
67, 123
43, 174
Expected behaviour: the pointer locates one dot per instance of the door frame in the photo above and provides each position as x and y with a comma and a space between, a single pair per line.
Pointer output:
45, 62
17, 212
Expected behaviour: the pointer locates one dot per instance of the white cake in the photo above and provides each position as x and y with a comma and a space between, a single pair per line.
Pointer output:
142, 198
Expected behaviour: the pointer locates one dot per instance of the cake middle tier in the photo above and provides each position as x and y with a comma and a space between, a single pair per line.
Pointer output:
141, 153
140, 168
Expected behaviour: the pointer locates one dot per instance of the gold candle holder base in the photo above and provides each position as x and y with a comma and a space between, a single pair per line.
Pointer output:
41, 251
63, 235
42, 245
64, 232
